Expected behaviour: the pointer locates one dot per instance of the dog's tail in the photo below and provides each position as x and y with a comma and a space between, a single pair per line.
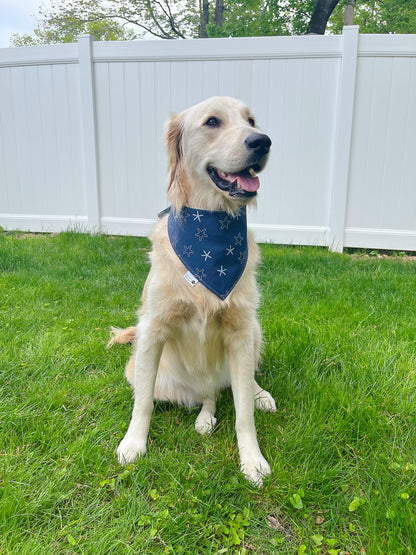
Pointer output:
128, 335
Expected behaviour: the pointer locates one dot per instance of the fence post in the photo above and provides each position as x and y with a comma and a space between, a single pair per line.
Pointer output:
88, 128
343, 132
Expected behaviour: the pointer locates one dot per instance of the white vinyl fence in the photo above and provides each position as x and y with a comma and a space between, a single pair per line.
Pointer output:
81, 130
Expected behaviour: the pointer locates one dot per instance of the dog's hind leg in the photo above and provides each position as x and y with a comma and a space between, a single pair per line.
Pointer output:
129, 371
263, 399
206, 420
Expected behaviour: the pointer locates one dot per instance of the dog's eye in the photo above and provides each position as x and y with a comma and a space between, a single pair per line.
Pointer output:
252, 122
213, 122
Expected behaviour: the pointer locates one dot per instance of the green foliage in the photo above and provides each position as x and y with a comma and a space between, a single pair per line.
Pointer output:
63, 21
129, 19
296, 499
261, 18
378, 16
339, 358
355, 504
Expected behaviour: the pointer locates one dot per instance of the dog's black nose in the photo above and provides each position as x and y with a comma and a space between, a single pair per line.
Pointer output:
258, 143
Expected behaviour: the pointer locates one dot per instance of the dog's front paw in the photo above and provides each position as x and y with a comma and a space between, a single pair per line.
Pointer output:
255, 470
205, 423
264, 401
129, 449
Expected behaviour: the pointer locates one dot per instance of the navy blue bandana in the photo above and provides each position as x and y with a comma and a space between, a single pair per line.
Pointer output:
212, 246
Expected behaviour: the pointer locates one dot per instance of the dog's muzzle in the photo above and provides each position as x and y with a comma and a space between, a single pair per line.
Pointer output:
245, 183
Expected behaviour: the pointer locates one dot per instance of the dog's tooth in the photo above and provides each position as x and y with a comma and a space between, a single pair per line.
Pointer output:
252, 172
223, 175
238, 184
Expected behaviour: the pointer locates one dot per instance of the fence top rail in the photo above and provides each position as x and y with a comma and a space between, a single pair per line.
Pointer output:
387, 46
250, 48
247, 48
39, 55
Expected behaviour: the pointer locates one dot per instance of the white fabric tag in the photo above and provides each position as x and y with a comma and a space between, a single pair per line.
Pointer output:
190, 278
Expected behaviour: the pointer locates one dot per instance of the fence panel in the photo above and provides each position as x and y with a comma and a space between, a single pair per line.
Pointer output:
289, 83
40, 160
81, 130
381, 207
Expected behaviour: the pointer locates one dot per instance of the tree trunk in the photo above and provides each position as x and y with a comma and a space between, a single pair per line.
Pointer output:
219, 13
349, 13
321, 14
204, 19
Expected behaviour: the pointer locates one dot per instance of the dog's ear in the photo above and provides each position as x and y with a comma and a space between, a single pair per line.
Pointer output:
173, 137
177, 182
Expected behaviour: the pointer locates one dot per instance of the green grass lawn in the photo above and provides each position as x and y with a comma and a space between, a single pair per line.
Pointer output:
339, 358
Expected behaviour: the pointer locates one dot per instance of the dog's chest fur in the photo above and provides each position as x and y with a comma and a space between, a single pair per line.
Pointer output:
195, 323
196, 350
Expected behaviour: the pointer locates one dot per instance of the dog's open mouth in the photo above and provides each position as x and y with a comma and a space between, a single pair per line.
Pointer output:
242, 184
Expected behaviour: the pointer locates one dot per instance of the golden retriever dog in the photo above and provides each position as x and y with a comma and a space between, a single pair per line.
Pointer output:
197, 332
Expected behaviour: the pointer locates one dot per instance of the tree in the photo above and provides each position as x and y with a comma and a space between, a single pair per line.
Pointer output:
64, 20
204, 19
320, 16
219, 13
53, 31
263, 17
378, 16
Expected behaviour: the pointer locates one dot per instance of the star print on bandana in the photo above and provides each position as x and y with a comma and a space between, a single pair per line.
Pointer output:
211, 245
206, 255
225, 223
201, 234
187, 251
199, 273
238, 239
197, 216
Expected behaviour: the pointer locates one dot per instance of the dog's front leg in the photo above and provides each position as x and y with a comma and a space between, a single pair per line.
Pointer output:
149, 350
240, 352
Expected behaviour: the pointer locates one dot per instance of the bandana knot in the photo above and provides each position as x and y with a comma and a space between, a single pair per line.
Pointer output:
212, 245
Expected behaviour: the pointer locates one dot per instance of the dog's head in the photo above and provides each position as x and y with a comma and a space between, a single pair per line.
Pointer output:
214, 155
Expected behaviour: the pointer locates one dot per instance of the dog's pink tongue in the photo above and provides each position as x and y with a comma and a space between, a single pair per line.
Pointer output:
245, 179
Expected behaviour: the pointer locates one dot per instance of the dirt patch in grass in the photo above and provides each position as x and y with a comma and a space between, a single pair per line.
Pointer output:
385, 256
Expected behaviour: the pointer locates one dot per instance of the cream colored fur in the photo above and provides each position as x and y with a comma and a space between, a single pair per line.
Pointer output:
189, 344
